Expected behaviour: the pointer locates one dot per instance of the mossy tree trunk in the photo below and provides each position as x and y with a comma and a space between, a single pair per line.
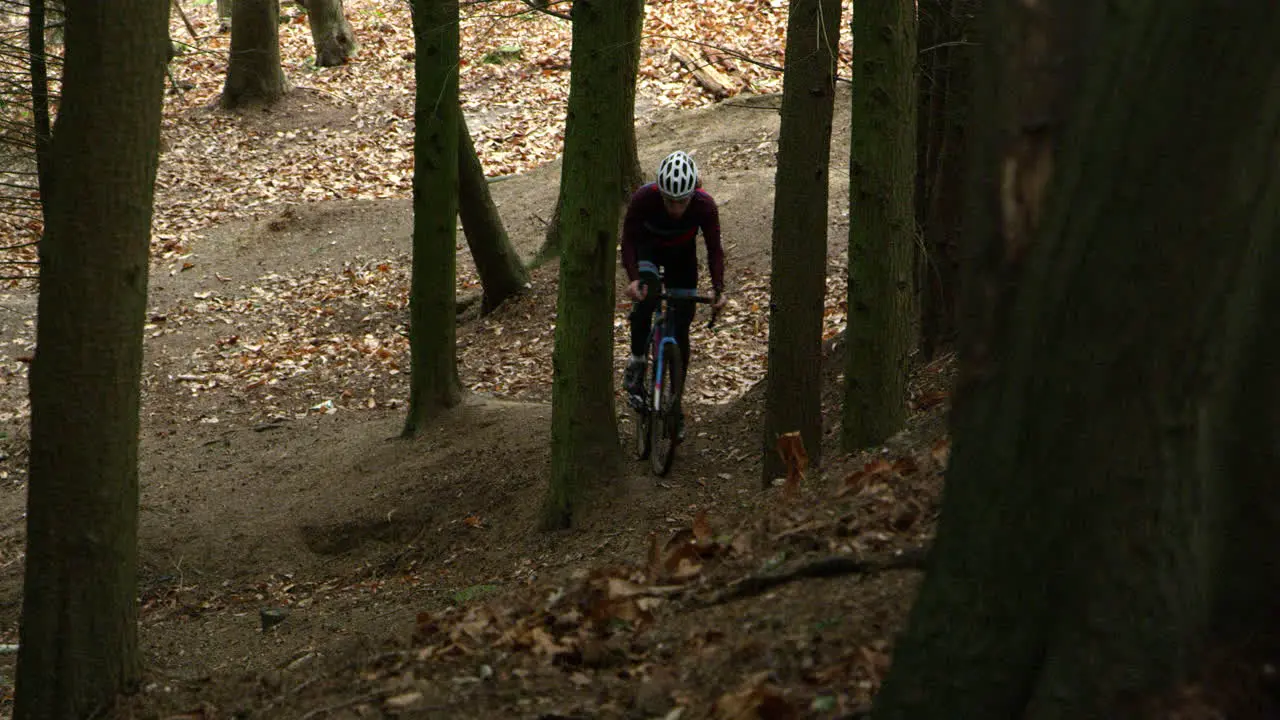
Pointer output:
502, 274
793, 391
1116, 409
881, 221
79, 644
335, 41
629, 157
254, 75
433, 378
584, 433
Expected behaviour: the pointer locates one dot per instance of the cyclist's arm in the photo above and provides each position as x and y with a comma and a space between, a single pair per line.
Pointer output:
715, 252
632, 233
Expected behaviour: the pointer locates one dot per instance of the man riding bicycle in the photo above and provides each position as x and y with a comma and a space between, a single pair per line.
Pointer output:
659, 231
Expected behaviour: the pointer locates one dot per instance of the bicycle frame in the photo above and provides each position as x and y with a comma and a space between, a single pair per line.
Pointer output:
661, 338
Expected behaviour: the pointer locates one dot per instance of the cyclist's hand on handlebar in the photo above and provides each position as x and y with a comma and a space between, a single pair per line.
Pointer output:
637, 290
721, 300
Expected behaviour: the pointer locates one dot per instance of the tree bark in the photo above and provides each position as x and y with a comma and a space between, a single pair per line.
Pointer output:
793, 391
334, 39
584, 433
881, 221
433, 380
79, 645
224, 10
1103, 497
945, 85
502, 274
629, 157
254, 75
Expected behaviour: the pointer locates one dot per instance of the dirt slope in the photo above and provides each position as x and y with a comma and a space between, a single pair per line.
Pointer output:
257, 496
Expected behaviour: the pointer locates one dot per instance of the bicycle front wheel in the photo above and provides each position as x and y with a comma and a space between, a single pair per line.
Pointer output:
666, 417
639, 422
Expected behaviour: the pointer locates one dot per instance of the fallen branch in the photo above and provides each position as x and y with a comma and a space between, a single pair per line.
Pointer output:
752, 585
185, 20
706, 74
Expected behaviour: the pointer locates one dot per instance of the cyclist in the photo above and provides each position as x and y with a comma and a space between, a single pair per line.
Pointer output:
659, 231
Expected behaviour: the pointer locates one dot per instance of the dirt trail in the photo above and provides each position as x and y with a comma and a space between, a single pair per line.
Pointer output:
252, 501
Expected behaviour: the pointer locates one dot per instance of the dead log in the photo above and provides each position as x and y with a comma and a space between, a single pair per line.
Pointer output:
706, 74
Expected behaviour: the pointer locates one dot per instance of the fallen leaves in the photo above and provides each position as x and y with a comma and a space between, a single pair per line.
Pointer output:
791, 447
756, 699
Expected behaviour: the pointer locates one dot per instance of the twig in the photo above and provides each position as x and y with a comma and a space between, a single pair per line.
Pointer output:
318, 712
752, 585
543, 7
185, 20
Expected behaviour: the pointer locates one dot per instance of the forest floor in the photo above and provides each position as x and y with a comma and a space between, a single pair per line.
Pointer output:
409, 578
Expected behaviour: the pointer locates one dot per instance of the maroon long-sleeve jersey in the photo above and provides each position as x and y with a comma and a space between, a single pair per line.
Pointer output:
651, 237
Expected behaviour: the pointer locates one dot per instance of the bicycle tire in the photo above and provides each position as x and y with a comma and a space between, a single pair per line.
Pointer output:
640, 425
662, 451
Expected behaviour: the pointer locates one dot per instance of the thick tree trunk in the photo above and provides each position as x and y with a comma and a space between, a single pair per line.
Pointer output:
945, 85
502, 274
79, 643
333, 37
254, 74
881, 221
629, 157
433, 379
584, 433
1103, 498
793, 393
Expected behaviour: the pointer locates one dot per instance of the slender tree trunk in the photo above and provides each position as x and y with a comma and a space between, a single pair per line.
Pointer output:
254, 74
334, 39
79, 644
793, 393
1104, 511
881, 221
433, 381
502, 274
224, 10
584, 433
945, 85
629, 157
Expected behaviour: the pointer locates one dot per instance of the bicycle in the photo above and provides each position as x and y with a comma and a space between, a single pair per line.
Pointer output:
658, 409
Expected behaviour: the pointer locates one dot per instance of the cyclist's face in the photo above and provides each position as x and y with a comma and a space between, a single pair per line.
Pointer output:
676, 208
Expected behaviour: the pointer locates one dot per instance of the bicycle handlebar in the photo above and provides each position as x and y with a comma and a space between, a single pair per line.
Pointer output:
699, 299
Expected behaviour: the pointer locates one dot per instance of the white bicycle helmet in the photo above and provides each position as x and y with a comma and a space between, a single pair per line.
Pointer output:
677, 176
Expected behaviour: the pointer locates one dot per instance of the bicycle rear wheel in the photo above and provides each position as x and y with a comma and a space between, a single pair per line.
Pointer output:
665, 419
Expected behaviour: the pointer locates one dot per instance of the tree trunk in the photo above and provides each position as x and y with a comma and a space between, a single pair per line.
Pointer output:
79, 644
334, 39
502, 274
39, 89
632, 172
433, 380
584, 433
881, 221
254, 74
1118, 333
224, 10
793, 393
945, 85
